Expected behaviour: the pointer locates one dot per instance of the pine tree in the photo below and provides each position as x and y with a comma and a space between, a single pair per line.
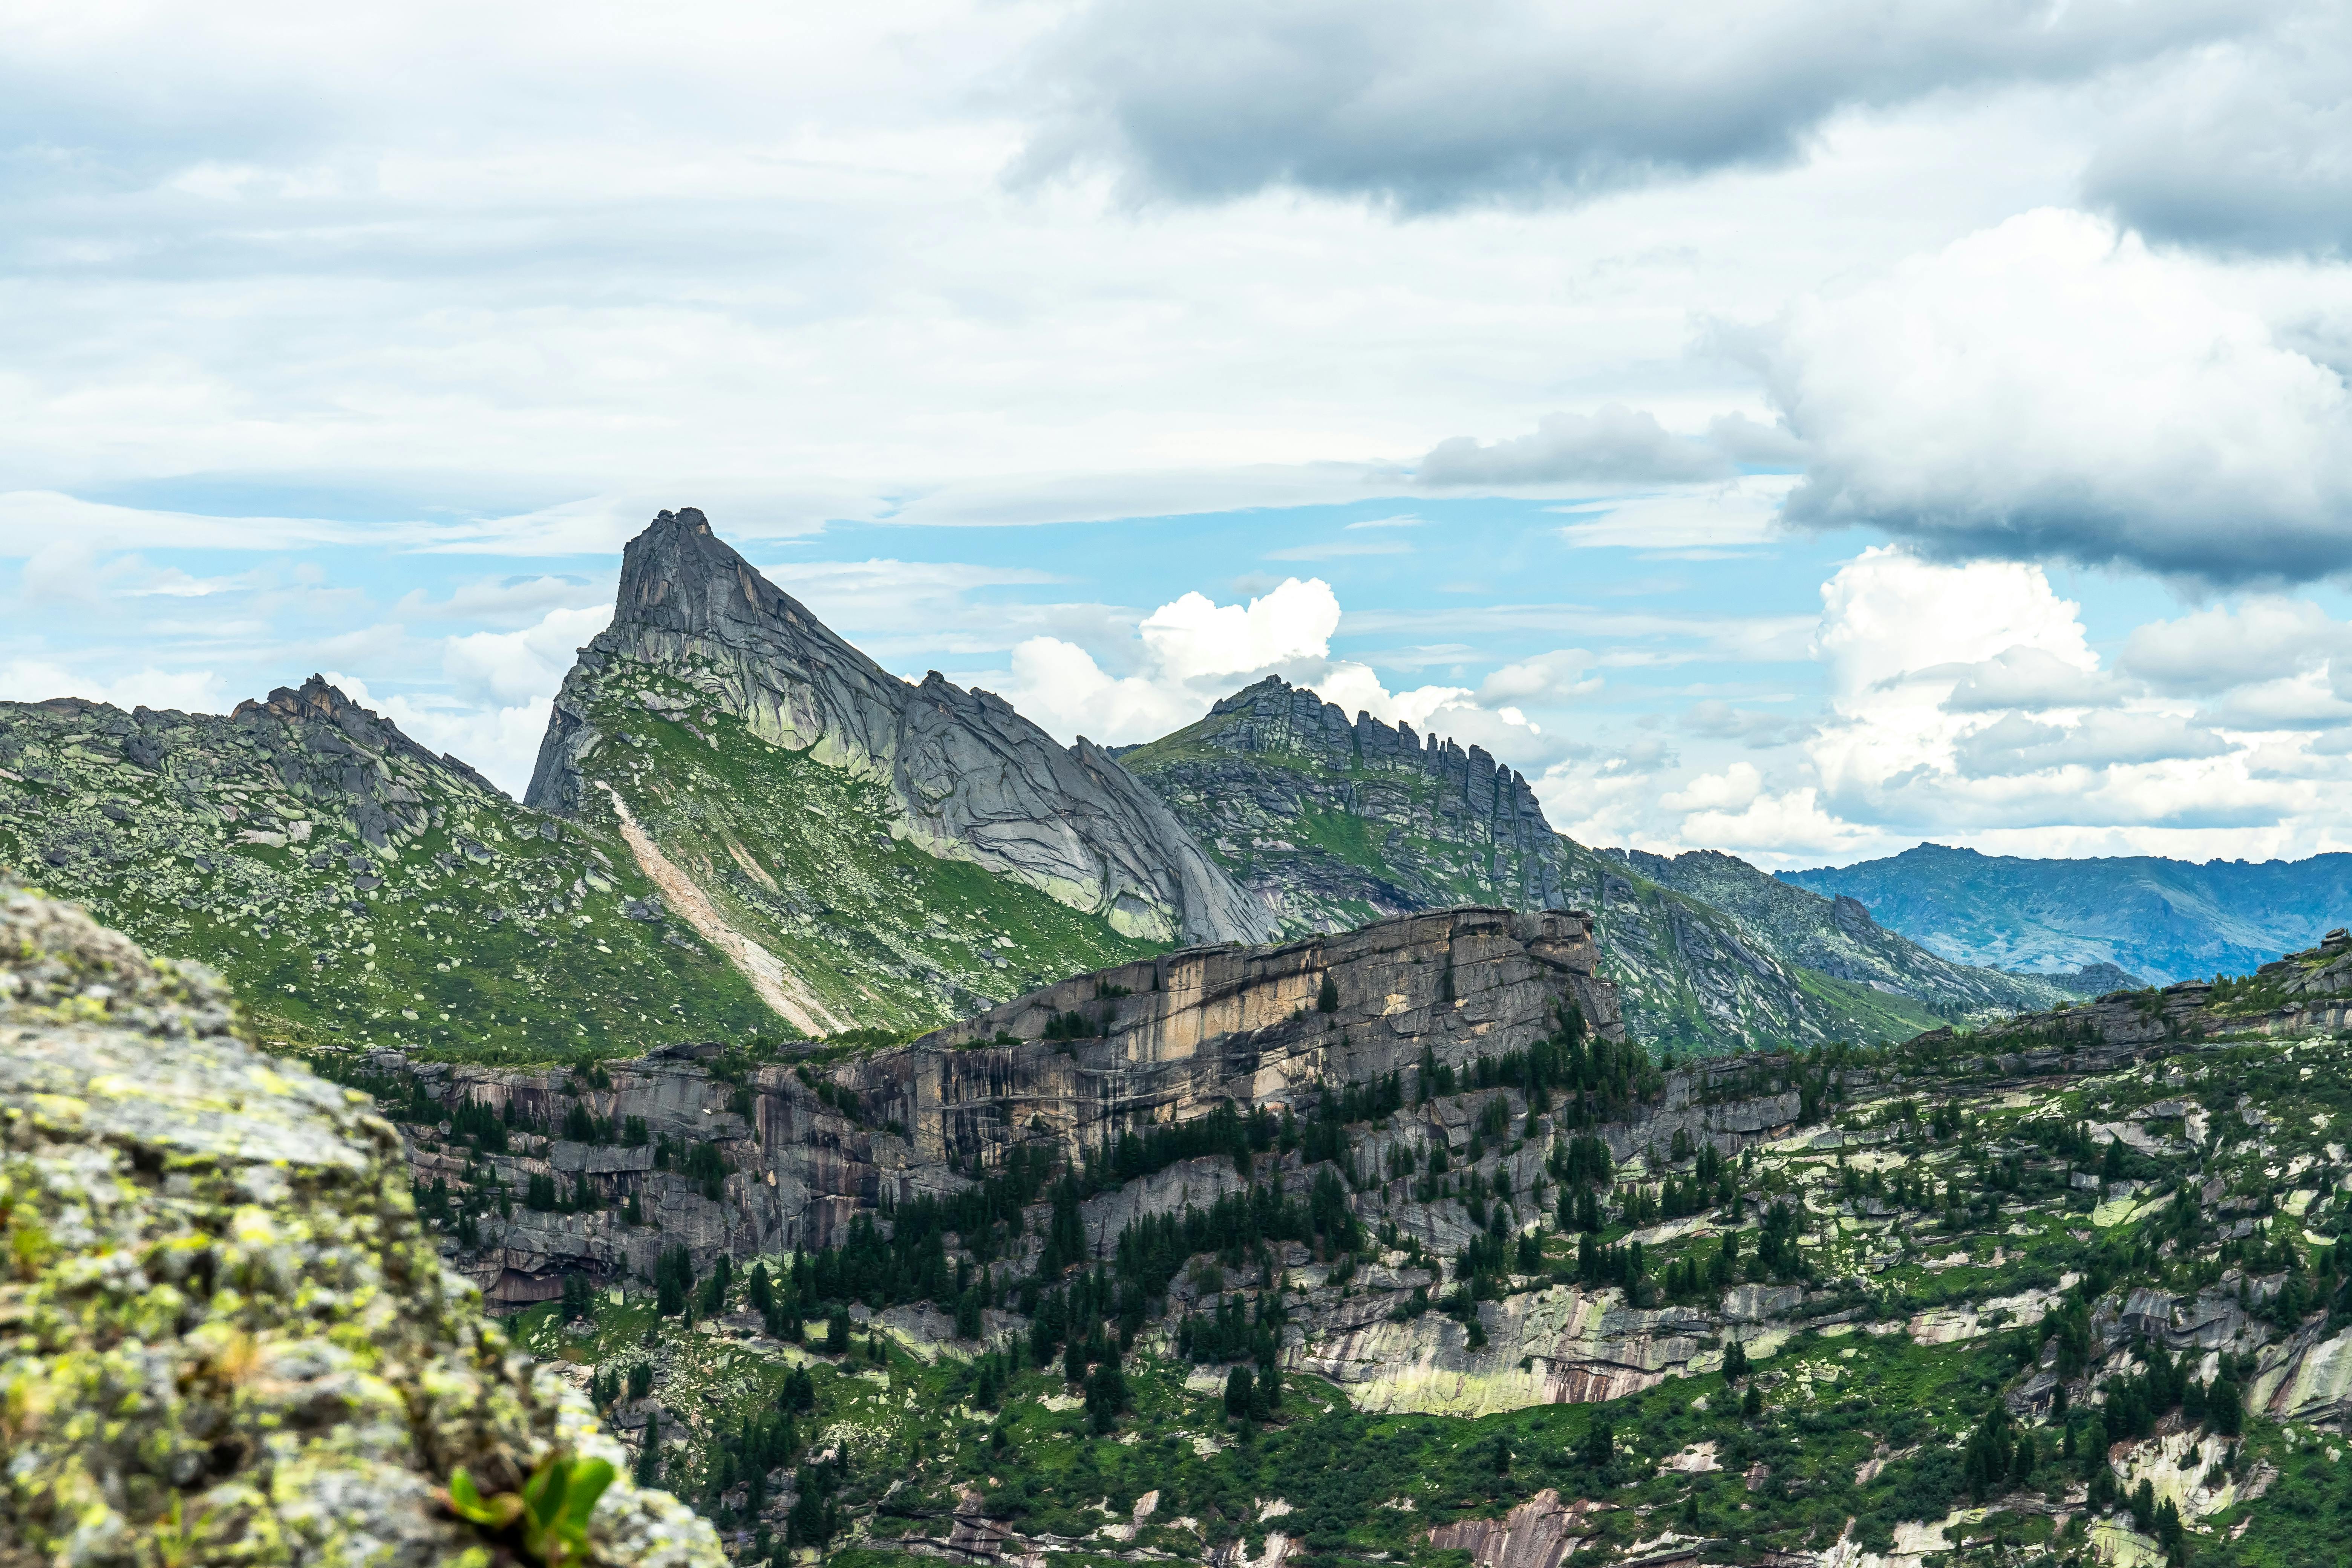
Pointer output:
1237, 1394
648, 1472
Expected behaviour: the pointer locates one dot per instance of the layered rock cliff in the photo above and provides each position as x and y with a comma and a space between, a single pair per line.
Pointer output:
224, 1336
967, 777
1155, 1043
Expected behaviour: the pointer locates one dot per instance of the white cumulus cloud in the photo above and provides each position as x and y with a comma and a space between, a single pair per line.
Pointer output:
1193, 650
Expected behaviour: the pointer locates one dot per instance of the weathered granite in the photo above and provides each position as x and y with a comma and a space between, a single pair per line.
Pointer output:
1538, 1533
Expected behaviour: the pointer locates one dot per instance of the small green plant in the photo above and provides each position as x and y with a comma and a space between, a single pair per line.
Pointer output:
548, 1519
173, 1541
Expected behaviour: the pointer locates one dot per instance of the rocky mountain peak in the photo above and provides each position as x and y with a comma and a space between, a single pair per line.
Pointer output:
1274, 715
968, 777
315, 699
679, 577
318, 702
1330, 821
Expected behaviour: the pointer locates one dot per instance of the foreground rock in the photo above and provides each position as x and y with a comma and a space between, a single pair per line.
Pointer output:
226, 1337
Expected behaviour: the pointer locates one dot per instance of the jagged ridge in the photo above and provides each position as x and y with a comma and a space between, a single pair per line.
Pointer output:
1332, 823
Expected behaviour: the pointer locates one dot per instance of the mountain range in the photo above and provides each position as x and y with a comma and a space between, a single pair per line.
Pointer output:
740, 822
2160, 919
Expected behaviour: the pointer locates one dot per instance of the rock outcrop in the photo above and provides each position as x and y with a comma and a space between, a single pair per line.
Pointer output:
1538, 1533
969, 778
2302, 994
1559, 1346
2322, 971
226, 1337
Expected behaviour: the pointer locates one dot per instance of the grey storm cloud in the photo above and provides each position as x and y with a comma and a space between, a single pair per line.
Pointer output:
2056, 389
2246, 147
1612, 444
1427, 105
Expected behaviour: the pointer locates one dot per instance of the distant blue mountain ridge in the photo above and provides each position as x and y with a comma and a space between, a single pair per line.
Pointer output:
2162, 920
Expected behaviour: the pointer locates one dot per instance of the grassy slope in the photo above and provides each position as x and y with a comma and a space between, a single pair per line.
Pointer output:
1392, 851
1661, 1000
1798, 924
885, 935
426, 966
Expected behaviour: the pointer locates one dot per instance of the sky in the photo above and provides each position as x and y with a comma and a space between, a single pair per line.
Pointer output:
1800, 430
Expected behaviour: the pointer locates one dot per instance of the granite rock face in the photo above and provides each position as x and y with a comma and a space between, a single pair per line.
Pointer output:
226, 1337
1541, 1532
969, 778
2319, 972
1169, 1038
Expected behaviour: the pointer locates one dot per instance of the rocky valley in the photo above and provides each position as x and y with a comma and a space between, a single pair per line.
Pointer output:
1117, 1269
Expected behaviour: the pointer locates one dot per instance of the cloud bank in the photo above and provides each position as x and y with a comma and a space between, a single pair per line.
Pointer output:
1426, 106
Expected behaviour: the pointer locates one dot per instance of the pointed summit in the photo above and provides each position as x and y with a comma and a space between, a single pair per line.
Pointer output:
679, 577
969, 778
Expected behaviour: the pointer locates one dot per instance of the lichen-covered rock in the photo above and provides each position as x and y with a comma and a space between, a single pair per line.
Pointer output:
224, 1336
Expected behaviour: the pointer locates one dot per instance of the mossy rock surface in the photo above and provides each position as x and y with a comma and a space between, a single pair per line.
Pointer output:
223, 1335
